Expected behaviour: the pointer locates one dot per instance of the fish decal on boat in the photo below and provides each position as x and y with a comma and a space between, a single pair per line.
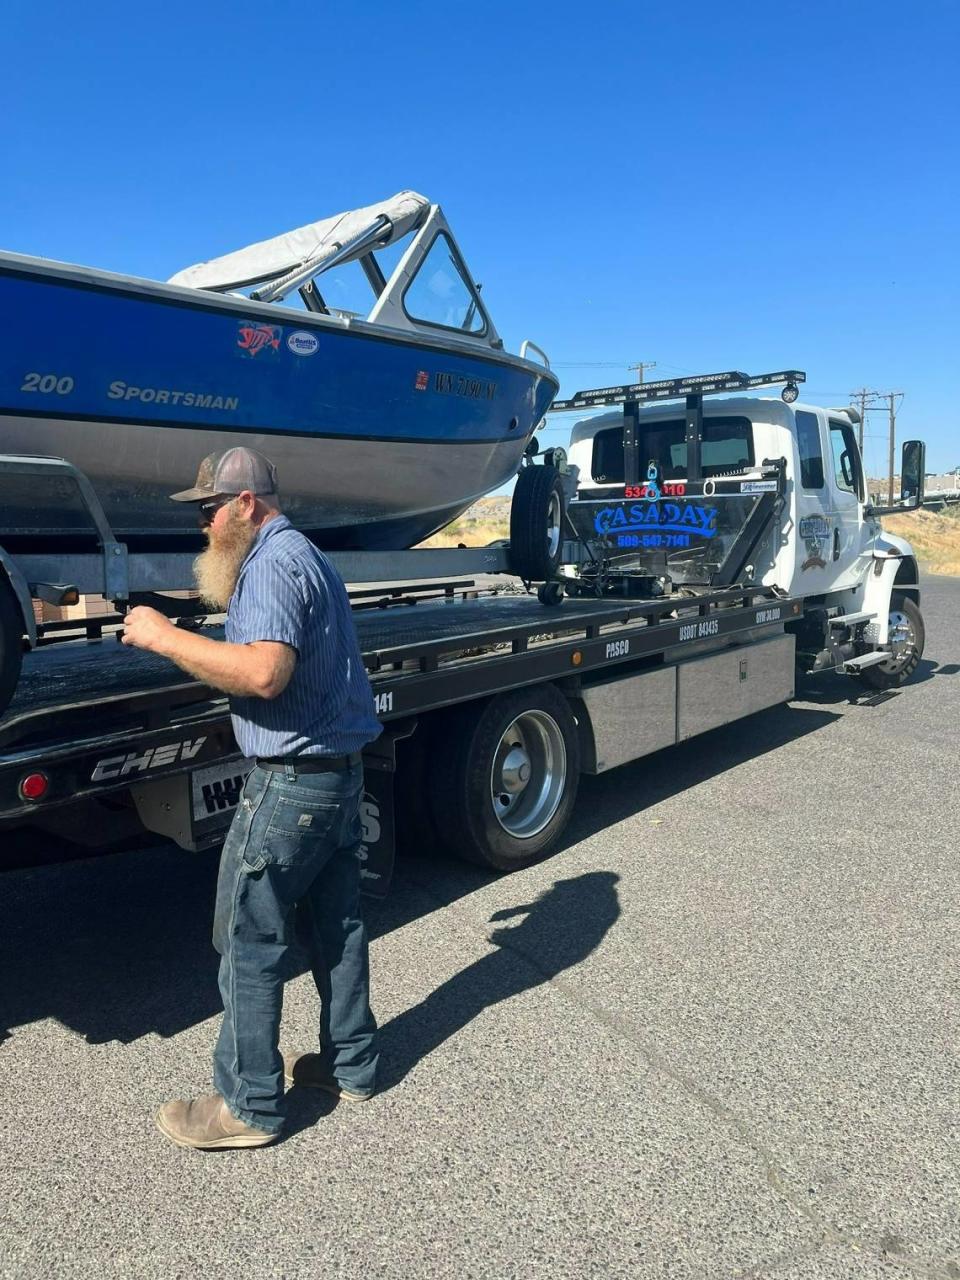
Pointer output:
254, 337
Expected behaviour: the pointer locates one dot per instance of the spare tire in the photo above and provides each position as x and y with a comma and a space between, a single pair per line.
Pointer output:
536, 524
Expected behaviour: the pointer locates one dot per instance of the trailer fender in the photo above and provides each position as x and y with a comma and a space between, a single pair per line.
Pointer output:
21, 591
894, 567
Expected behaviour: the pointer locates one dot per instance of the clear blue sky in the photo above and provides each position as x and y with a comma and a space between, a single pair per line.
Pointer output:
746, 185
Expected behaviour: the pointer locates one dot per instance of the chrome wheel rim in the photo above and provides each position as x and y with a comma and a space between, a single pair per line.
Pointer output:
528, 774
902, 638
554, 518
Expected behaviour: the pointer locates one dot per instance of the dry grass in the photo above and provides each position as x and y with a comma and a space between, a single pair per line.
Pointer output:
934, 536
486, 521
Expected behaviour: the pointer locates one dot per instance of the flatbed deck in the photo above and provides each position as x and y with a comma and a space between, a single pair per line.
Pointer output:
84, 705
82, 671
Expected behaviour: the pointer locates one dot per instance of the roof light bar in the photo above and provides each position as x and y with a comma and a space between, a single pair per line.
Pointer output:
703, 384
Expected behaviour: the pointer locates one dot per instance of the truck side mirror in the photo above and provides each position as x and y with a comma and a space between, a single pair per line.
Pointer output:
912, 468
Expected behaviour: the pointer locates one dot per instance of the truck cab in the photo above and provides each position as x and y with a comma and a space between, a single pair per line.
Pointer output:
720, 491
826, 539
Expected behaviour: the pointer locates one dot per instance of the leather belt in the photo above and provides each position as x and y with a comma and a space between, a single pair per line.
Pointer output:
310, 764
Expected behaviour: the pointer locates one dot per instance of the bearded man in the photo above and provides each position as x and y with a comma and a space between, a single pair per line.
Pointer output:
302, 708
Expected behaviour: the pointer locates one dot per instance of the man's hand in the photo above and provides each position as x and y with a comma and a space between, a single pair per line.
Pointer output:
261, 669
145, 628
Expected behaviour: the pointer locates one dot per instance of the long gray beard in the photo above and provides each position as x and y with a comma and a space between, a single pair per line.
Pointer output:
217, 569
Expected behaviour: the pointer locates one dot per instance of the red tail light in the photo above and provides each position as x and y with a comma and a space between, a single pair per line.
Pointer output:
34, 786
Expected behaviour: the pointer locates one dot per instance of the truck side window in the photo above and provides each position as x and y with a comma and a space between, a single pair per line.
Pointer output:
846, 458
811, 455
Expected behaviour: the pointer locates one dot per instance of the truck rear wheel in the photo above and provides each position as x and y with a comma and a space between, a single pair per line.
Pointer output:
11, 643
536, 524
906, 634
506, 778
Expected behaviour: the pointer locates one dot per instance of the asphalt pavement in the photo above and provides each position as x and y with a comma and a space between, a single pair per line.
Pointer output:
714, 1036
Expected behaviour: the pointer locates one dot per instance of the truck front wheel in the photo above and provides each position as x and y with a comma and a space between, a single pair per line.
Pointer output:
506, 777
906, 635
11, 643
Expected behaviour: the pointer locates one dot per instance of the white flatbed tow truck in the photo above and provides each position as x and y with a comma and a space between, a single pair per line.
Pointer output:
702, 557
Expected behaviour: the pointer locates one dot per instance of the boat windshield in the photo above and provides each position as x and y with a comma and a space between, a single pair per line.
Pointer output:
442, 294
342, 291
395, 263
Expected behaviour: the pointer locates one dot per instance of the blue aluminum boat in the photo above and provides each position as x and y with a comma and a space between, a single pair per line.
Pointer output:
384, 427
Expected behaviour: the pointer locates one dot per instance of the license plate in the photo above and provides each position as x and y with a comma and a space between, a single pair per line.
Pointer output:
215, 790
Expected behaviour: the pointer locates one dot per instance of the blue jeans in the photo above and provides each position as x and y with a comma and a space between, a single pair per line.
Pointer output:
292, 844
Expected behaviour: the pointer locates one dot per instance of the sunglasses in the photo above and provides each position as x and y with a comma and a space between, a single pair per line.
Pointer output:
208, 510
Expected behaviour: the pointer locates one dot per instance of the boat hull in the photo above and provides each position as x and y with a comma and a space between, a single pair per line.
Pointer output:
379, 437
374, 495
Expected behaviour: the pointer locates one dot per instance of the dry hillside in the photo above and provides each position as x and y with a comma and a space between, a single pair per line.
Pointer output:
934, 535
486, 521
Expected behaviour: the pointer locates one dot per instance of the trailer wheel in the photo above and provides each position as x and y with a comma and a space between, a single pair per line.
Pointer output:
507, 778
551, 593
907, 635
11, 643
536, 524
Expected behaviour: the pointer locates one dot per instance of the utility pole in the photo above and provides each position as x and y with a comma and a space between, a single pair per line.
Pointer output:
640, 366
867, 401
891, 398
864, 398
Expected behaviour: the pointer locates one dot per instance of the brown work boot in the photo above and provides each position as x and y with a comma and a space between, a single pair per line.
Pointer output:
209, 1125
307, 1069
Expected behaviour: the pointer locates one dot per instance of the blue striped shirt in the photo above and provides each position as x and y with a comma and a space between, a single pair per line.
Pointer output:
288, 591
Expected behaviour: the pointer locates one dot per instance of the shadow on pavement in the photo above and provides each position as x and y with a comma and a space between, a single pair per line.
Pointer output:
612, 797
830, 689
538, 948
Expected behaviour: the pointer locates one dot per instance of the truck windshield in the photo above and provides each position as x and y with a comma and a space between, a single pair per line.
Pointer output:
727, 445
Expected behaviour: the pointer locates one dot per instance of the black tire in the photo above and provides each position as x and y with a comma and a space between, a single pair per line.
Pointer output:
536, 524
551, 593
485, 748
899, 669
11, 643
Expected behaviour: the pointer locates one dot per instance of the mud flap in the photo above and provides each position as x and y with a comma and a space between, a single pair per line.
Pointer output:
379, 834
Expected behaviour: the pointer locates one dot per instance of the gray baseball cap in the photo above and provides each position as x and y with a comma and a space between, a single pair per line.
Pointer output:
231, 471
